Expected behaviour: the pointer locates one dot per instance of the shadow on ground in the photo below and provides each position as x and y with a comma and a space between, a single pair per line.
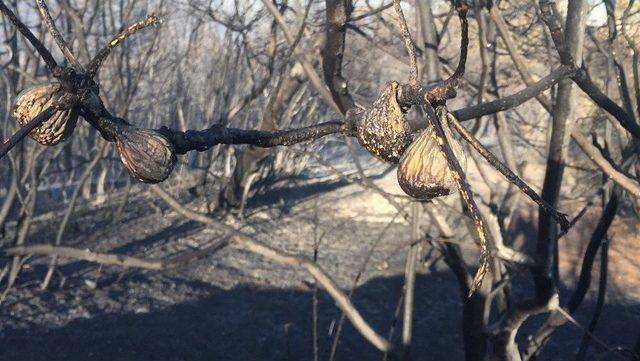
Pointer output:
249, 323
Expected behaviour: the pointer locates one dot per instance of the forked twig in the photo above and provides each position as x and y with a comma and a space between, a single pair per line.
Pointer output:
24, 30
413, 94
437, 121
55, 33
561, 218
96, 62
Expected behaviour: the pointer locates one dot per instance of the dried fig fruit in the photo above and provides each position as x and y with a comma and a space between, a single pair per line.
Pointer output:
148, 155
383, 129
423, 172
33, 101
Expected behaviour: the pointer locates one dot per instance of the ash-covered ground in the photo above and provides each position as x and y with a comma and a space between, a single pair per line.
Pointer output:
235, 305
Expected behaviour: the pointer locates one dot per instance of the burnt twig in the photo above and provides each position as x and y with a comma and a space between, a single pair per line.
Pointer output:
55, 33
96, 62
413, 94
8, 144
436, 121
408, 42
561, 218
24, 30
203, 140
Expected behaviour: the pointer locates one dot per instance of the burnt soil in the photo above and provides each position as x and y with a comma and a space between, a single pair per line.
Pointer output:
237, 306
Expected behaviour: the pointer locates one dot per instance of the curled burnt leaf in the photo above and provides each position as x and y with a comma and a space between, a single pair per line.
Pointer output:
33, 101
423, 172
383, 129
148, 155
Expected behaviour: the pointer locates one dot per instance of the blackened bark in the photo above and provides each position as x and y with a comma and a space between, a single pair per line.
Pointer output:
543, 271
584, 282
338, 14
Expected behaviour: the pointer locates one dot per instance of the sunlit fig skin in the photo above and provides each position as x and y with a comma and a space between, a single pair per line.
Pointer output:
423, 172
383, 129
146, 154
33, 101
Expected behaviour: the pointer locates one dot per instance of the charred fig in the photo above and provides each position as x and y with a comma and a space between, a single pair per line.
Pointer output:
33, 101
148, 155
383, 130
423, 172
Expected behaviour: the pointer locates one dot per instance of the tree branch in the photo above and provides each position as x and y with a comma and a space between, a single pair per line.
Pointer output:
37, 44
184, 142
8, 144
55, 33
94, 66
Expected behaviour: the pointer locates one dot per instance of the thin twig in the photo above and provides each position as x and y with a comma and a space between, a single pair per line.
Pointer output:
408, 43
607, 168
8, 144
37, 44
410, 281
85, 255
55, 33
94, 66
437, 121
561, 218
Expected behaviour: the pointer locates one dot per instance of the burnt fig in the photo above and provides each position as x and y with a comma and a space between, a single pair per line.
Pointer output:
383, 129
423, 172
148, 156
33, 101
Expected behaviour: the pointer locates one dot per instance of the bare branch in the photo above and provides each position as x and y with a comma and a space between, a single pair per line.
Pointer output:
607, 168
94, 66
512, 177
408, 43
515, 99
8, 144
437, 121
55, 33
414, 94
37, 44
203, 140
85, 255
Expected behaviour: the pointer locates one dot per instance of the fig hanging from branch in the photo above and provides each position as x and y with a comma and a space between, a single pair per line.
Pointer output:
383, 129
424, 172
31, 102
146, 154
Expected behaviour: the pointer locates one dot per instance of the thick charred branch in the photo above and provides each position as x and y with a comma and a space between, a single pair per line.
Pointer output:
184, 142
